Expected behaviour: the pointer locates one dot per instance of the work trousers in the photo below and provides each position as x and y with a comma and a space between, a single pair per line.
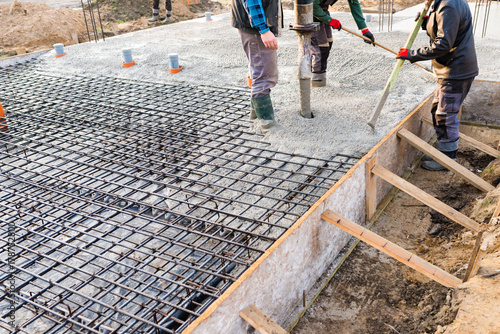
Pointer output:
321, 43
168, 4
263, 64
448, 99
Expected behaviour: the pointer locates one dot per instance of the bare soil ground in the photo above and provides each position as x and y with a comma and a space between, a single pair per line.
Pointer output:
373, 293
28, 27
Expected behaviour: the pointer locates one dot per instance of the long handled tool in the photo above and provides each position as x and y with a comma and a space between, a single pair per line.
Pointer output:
380, 45
397, 67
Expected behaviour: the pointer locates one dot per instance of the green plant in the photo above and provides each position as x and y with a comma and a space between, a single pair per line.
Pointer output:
486, 202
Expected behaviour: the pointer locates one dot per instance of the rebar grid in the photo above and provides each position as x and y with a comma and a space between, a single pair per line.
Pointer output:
135, 205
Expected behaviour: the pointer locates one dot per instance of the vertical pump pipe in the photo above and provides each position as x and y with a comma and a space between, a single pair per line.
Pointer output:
304, 26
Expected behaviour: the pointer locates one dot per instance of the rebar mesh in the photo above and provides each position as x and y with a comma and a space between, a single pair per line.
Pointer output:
135, 205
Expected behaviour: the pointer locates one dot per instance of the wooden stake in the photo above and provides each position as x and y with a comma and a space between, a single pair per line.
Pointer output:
397, 67
371, 189
425, 198
261, 322
452, 165
473, 266
474, 259
391, 249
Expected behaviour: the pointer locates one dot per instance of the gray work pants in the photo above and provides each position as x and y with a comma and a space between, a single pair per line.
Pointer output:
263, 64
448, 99
321, 43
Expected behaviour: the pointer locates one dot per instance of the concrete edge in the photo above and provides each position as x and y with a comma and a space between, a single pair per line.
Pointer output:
22, 58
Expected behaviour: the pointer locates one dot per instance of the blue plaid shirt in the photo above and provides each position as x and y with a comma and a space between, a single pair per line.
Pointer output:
256, 14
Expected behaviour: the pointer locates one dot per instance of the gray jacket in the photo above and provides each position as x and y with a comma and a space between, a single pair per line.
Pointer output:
452, 41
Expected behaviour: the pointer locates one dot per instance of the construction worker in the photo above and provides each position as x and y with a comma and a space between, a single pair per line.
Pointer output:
453, 55
258, 24
156, 11
321, 40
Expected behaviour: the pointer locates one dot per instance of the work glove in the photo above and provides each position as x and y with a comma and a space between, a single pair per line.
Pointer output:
335, 24
369, 35
424, 22
403, 54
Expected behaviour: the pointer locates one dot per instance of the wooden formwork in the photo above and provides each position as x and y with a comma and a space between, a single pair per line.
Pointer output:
276, 282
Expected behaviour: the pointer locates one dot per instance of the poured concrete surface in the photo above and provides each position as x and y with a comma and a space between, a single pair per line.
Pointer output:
211, 53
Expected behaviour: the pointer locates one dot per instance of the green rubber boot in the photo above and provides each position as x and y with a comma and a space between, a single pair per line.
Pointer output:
264, 111
263, 107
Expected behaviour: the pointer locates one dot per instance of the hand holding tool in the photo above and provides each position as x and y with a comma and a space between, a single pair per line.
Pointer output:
397, 67
335, 24
403, 54
383, 47
369, 35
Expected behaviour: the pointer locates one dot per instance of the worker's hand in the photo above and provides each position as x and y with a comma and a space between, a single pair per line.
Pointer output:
369, 35
335, 24
403, 54
424, 22
269, 40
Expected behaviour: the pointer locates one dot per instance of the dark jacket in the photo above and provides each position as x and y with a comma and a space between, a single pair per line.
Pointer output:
240, 20
452, 41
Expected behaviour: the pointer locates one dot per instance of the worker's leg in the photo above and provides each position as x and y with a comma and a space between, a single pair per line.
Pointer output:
445, 107
320, 50
156, 11
264, 70
168, 7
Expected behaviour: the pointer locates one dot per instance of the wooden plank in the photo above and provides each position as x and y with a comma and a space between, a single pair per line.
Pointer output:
470, 177
473, 266
261, 322
393, 250
474, 259
425, 198
480, 146
371, 189
473, 142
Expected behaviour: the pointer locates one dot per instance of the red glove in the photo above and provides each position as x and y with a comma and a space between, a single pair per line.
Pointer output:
403, 54
335, 24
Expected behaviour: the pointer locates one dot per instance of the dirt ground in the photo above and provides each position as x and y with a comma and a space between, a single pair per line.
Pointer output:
28, 27
373, 293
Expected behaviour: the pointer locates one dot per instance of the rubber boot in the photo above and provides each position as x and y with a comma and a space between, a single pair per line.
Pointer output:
168, 17
263, 107
156, 15
253, 115
318, 80
450, 149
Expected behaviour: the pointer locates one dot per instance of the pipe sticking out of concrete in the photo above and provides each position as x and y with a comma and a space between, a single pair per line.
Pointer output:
59, 47
174, 63
3, 120
128, 60
304, 27
208, 16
